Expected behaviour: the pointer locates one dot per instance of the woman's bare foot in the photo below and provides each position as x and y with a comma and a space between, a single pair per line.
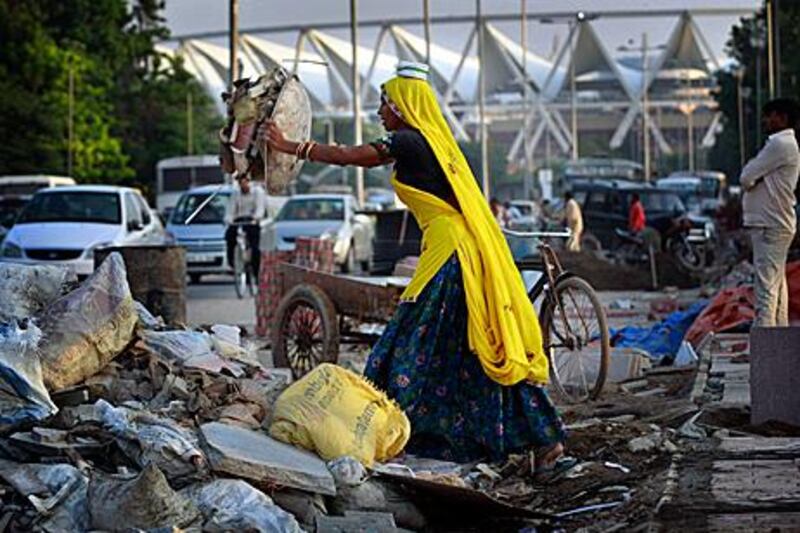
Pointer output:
549, 457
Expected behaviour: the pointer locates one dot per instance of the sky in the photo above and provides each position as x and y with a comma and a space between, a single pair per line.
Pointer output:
193, 16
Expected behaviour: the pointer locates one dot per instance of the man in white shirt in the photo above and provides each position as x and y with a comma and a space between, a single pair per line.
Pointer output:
769, 181
246, 208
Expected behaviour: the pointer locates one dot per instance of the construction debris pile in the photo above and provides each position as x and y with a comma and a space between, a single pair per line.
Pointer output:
111, 420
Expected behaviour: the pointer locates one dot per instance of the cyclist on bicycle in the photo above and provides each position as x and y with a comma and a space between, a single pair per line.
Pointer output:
246, 209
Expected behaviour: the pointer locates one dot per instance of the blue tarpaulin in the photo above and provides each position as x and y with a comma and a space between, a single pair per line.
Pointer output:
663, 340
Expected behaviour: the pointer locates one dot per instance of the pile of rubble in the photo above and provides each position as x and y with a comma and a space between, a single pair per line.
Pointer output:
112, 420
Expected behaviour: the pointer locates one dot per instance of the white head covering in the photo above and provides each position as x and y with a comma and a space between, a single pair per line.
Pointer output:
411, 69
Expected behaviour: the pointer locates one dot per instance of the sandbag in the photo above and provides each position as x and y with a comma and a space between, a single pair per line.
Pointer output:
336, 412
87, 328
142, 502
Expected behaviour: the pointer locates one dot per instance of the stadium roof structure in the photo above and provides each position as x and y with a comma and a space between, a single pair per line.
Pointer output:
677, 77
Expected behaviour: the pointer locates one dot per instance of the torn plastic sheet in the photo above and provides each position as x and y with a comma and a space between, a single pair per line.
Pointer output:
23, 396
149, 439
191, 349
28, 289
234, 505
58, 491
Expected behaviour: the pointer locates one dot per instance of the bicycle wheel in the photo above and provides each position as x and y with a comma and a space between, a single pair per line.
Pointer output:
576, 340
239, 272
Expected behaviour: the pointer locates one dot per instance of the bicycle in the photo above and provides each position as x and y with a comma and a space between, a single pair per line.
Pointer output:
244, 281
574, 326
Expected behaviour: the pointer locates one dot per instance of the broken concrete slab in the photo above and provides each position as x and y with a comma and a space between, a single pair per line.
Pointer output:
258, 457
774, 381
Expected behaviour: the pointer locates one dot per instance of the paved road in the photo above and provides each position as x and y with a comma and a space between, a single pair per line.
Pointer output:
214, 302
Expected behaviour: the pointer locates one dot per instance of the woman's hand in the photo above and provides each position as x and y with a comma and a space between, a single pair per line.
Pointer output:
270, 133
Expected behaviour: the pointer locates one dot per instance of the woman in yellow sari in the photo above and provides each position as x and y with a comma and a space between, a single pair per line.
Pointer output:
463, 354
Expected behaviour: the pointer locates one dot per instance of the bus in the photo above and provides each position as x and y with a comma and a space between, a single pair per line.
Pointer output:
176, 175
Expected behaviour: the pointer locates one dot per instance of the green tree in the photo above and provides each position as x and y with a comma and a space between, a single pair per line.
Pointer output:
129, 100
725, 155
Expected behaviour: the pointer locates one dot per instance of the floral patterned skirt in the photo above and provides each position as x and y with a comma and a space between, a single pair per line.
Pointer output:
457, 413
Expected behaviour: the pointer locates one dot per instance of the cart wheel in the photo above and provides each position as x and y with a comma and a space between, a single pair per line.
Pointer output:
305, 332
576, 340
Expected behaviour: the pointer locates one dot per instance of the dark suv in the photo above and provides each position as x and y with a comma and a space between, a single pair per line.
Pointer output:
605, 205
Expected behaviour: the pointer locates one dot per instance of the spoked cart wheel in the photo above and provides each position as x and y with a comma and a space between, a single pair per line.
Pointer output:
306, 331
576, 340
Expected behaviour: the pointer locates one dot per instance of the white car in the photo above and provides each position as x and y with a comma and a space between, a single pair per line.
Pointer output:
317, 215
65, 225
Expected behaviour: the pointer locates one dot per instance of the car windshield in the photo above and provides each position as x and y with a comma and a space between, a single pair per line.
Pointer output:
313, 209
73, 206
525, 210
212, 213
670, 203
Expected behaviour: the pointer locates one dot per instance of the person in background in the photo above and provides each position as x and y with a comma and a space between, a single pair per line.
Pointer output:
498, 211
246, 209
636, 216
573, 218
769, 181
512, 213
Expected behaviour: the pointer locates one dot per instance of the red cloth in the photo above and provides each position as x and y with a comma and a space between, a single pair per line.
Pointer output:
636, 218
735, 306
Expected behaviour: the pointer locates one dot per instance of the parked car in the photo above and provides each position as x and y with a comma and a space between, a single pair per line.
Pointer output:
204, 236
701, 192
318, 215
65, 225
17, 191
606, 203
529, 215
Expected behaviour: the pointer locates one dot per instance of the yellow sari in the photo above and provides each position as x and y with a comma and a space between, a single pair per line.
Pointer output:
503, 329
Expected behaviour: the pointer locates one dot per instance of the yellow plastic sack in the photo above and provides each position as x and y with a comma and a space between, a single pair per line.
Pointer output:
334, 412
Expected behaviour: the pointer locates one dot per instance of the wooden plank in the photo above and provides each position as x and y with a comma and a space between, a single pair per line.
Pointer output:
723, 523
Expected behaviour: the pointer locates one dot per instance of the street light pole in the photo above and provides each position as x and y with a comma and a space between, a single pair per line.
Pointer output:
426, 8
770, 49
740, 107
70, 116
482, 101
645, 117
234, 41
527, 178
572, 85
356, 82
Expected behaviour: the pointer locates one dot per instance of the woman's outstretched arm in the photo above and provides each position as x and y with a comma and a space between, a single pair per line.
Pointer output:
364, 155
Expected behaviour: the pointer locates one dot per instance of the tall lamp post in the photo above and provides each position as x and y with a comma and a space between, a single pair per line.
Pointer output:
644, 48
573, 23
757, 42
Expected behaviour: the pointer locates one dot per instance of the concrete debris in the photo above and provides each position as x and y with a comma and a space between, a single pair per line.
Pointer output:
645, 444
254, 456
110, 419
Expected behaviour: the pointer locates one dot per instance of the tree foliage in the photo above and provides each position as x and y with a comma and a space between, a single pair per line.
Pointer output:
129, 101
742, 48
